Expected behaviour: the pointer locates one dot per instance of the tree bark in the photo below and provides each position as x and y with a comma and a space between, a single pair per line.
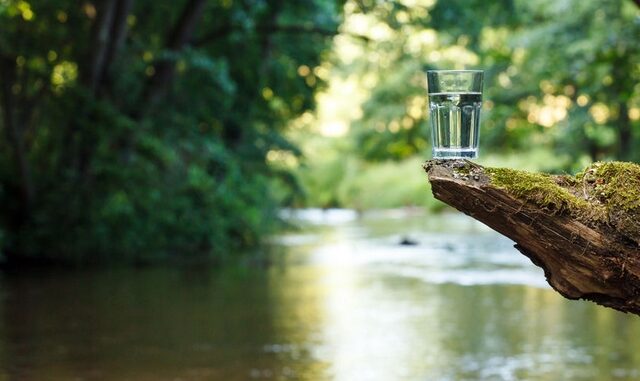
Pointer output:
583, 257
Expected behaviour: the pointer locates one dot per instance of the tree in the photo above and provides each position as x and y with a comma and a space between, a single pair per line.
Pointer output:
139, 130
561, 74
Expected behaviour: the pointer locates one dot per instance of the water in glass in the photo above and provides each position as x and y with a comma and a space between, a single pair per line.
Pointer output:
455, 119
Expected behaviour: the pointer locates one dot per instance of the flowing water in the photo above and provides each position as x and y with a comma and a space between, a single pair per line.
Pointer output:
342, 300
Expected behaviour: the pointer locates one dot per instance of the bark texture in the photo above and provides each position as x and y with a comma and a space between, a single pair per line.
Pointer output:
577, 230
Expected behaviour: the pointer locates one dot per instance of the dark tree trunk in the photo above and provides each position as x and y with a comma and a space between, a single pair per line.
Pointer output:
107, 37
177, 40
101, 36
624, 132
15, 133
118, 37
583, 257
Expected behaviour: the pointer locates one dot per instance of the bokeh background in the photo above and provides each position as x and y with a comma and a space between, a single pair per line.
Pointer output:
135, 131
277, 146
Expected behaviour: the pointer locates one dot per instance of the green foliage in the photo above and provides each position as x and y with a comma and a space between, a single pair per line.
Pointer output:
171, 140
390, 184
558, 74
163, 155
333, 176
349, 181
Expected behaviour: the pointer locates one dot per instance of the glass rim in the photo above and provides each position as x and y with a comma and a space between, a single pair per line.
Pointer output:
455, 71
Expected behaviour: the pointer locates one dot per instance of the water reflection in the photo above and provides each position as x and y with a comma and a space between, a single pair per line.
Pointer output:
459, 306
154, 324
343, 301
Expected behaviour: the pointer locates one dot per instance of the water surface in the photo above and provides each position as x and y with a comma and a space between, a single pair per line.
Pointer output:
341, 301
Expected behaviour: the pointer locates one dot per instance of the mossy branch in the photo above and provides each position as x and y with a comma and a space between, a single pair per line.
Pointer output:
583, 230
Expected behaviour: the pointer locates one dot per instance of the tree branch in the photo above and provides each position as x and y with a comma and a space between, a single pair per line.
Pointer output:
584, 231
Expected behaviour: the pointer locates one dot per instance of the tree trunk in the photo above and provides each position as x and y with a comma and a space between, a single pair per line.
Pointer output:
625, 139
118, 36
15, 133
177, 39
101, 36
584, 231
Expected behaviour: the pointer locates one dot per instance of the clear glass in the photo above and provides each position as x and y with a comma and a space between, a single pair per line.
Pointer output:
455, 100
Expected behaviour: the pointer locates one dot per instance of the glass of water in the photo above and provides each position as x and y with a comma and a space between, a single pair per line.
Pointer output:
455, 100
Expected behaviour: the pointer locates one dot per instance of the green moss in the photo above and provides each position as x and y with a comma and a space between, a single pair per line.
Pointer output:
463, 170
605, 192
617, 184
540, 188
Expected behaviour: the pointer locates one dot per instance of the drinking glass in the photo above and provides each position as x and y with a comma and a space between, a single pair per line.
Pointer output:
455, 100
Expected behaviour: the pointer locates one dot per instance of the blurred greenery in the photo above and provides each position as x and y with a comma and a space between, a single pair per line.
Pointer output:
563, 74
140, 131
137, 130
562, 89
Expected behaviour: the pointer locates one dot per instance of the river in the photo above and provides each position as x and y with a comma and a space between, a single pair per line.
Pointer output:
342, 300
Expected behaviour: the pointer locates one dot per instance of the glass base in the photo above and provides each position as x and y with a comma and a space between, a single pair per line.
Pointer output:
454, 153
